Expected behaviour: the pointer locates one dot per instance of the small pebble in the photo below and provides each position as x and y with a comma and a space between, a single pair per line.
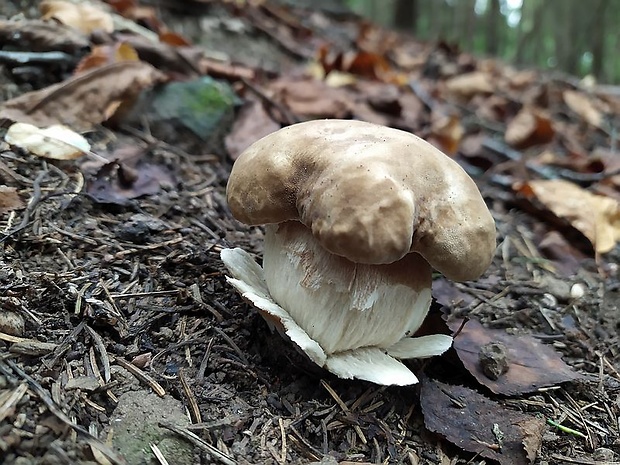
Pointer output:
12, 323
603, 454
577, 291
493, 360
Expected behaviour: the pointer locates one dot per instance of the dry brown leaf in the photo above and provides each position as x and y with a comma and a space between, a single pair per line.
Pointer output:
597, 217
469, 84
82, 16
82, 101
531, 364
528, 128
251, 124
581, 104
41, 36
480, 425
107, 54
533, 430
10, 199
446, 133
311, 98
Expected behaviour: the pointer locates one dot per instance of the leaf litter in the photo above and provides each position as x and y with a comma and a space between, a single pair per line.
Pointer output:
151, 282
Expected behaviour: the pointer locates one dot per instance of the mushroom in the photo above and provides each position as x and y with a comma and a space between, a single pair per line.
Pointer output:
356, 217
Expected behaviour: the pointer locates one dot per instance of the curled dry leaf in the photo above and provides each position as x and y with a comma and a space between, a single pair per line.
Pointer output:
102, 55
10, 199
480, 425
117, 183
470, 84
84, 100
41, 36
82, 16
581, 104
311, 98
446, 133
597, 217
530, 364
56, 142
528, 128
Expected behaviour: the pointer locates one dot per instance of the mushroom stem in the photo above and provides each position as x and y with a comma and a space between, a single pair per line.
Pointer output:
344, 305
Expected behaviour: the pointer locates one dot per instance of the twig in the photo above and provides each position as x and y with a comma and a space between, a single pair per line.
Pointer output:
142, 376
289, 117
546, 172
158, 454
232, 344
344, 408
103, 353
197, 441
92, 441
191, 399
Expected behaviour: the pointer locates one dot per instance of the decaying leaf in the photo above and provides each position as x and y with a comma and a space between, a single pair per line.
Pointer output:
102, 55
581, 104
597, 217
529, 127
446, 133
531, 364
467, 85
478, 424
10, 199
251, 124
39, 36
84, 100
360, 63
311, 98
56, 142
118, 182
82, 16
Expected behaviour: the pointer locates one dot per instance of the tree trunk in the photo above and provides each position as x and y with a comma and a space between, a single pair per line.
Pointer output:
405, 15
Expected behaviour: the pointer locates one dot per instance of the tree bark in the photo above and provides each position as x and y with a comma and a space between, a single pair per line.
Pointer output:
405, 15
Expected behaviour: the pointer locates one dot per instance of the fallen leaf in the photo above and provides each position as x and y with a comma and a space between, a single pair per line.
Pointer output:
446, 133
479, 425
361, 63
102, 55
311, 98
528, 128
567, 260
531, 364
84, 100
41, 36
56, 142
174, 39
582, 105
469, 84
251, 124
533, 430
82, 16
117, 183
597, 217
10, 199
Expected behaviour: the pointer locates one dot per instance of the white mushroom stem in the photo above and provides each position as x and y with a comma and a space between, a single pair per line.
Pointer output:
355, 320
340, 304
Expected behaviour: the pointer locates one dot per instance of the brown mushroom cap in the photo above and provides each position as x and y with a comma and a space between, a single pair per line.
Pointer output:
369, 193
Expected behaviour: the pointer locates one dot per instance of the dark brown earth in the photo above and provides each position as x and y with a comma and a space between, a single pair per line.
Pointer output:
104, 288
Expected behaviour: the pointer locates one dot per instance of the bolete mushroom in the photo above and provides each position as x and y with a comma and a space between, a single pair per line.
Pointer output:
356, 217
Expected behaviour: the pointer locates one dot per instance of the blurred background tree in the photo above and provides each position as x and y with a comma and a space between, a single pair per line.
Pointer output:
574, 36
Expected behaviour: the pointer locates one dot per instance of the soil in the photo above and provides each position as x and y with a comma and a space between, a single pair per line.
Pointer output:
104, 288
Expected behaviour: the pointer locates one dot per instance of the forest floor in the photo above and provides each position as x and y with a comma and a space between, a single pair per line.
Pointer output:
120, 337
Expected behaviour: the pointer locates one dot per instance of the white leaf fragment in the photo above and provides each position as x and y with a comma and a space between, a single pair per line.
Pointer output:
56, 142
